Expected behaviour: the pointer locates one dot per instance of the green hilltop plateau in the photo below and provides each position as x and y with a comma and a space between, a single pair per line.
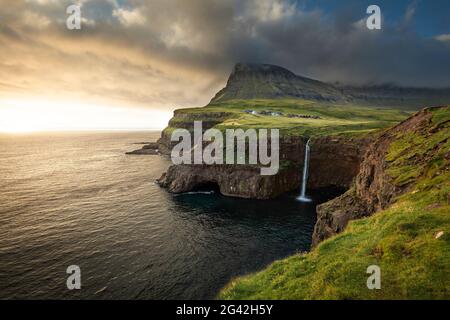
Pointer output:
292, 117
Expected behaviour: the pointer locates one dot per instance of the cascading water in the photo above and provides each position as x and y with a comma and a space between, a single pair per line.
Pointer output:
303, 197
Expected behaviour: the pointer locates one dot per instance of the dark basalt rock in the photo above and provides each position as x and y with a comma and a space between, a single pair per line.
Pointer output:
243, 181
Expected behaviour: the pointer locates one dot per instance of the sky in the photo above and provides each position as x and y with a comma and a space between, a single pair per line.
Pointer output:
134, 61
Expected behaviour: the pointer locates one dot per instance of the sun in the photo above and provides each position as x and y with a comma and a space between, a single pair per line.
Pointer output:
34, 115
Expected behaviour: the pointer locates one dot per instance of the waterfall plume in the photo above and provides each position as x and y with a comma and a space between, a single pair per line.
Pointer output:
303, 197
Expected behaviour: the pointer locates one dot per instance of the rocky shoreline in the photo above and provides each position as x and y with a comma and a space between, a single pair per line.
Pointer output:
149, 148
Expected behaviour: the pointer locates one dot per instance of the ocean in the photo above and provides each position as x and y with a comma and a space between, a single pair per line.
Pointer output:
77, 199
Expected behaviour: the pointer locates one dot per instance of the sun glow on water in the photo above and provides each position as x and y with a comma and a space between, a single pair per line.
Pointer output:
24, 116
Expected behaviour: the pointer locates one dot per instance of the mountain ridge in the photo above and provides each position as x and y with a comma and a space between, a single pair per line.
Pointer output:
267, 81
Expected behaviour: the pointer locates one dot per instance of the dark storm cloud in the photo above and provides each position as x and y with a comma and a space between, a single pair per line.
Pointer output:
164, 52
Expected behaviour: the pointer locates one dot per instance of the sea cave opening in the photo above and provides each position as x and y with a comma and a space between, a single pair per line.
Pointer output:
207, 186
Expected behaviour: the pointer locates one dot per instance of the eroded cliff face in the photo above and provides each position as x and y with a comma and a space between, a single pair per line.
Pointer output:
164, 143
374, 188
334, 162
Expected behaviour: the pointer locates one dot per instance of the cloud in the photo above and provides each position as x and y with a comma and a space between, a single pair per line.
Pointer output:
35, 20
175, 53
129, 17
410, 13
271, 11
443, 37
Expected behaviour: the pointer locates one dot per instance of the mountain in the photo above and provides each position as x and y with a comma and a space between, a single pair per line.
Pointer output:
265, 81
390, 95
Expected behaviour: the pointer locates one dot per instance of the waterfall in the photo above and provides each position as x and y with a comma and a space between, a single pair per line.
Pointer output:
303, 197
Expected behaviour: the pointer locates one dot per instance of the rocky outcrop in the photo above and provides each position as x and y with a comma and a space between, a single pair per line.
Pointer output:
333, 216
374, 189
149, 148
231, 180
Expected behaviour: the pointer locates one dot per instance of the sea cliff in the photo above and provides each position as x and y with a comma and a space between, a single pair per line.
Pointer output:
334, 162
378, 182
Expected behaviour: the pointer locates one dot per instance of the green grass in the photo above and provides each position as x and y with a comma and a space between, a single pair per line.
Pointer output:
334, 119
401, 239
405, 151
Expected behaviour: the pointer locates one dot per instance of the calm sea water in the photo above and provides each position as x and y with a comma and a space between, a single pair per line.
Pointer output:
77, 199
